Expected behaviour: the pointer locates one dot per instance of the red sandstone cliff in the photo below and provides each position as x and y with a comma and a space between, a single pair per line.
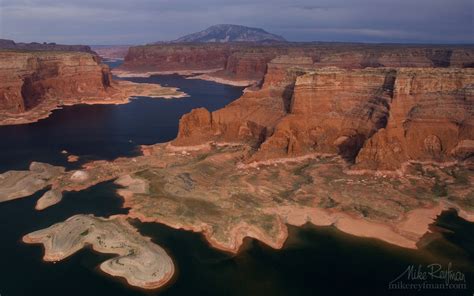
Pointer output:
431, 119
248, 61
35, 46
251, 117
34, 83
28, 78
169, 57
375, 117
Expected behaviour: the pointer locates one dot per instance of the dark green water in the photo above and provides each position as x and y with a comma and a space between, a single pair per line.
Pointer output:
314, 261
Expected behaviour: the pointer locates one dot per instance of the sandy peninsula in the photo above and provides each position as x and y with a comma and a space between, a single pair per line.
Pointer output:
208, 189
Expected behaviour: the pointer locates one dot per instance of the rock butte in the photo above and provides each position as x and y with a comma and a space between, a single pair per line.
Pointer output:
36, 82
141, 262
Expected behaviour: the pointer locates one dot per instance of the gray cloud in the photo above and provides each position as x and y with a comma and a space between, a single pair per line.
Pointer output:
143, 21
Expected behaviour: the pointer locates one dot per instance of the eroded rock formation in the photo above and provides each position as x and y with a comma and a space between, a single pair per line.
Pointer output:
246, 63
30, 78
377, 118
12, 45
141, 262
431, 119
176, 58
35, 82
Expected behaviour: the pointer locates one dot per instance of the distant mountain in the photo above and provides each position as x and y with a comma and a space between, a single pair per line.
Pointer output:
231, 33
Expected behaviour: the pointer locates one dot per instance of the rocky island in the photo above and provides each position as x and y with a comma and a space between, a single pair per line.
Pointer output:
142, 263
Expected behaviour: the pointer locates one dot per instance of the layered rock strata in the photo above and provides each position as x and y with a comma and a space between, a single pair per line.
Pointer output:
142, 263
12, 45
34, 83
246, 63
377, 118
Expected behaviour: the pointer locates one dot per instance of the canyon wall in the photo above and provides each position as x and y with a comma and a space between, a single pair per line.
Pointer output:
431, 119
28, 78
375, 118
169, 57
248, 61
33, 83
251, 117
112, 51
35, 46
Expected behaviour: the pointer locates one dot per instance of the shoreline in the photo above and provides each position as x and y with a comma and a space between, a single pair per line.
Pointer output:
147, 74
146, 264
225, 218
414, 225
46, 108
238, 83
188, 74
405, 233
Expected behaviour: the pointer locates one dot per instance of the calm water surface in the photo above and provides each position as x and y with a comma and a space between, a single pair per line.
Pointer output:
108, 131
315, 260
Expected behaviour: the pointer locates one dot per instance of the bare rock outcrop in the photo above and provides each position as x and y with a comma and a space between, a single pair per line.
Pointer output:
45, 46
35, 82
244, 63
375, 118
252, 117
16, 184
176, 58
332, 111
431, 119
142, 263
28, 78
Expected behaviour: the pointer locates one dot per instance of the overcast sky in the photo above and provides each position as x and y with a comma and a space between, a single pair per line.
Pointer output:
144, 21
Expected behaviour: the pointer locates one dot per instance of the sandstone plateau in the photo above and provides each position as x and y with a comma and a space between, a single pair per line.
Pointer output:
244, 63
35, 82
35, 46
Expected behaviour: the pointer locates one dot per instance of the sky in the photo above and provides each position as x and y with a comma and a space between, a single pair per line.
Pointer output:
96, 22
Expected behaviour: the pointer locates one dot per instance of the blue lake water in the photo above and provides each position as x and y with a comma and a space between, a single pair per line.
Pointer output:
314, 261
108, 131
